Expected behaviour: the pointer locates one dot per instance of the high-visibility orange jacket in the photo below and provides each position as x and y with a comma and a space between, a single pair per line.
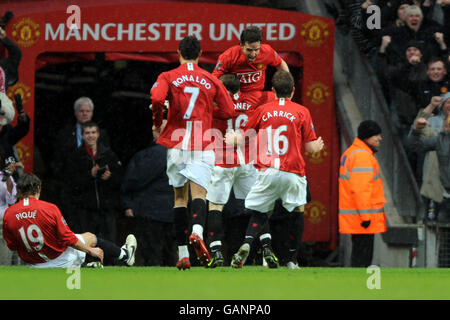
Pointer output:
361, 195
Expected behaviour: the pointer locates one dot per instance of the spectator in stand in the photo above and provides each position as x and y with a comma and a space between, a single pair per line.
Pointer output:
9, 135
445, 5
9, 66
431, 188
392, 15
7, 198
428, 33
436, 83
147, 197
403, 105
441, 144
96, 177
68, 140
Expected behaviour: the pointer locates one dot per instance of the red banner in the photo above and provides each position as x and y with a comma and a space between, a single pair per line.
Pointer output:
152, 30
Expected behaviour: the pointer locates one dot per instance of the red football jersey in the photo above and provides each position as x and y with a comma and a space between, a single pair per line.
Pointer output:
283, 127
251, 74
244, 103
194, 95
36, 230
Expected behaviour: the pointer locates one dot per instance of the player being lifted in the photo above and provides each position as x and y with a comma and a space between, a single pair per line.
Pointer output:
283, 128
249, 60
233, 168
194, 96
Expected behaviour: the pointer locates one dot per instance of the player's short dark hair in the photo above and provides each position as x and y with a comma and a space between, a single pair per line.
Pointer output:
189, 48
89, 124
251, 34
28, 185
231, 82
283, 83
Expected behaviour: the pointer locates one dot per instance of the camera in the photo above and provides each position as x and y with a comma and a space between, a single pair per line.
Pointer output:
6, 171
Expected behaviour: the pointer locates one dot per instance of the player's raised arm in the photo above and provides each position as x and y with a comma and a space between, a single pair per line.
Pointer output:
283, 66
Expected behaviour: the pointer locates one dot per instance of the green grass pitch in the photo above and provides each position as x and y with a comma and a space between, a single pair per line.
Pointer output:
249, 283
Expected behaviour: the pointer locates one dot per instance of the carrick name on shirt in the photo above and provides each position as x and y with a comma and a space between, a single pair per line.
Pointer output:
276, 113
180, 80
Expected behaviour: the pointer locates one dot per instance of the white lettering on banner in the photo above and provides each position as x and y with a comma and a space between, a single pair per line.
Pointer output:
162, 31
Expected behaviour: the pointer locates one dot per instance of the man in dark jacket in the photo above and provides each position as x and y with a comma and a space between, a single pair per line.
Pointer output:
96, 178
147, 196
67, 142
428, 33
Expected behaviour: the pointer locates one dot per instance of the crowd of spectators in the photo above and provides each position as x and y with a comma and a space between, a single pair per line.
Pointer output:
409, 53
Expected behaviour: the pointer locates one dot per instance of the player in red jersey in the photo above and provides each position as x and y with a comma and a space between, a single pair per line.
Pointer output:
249, 60
38, 232
283, 127
232, 169
195, 96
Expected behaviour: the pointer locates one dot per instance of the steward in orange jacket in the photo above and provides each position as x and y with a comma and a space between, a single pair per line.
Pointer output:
361, 195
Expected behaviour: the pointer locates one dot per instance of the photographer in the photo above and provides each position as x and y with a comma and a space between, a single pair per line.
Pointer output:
96, 178
8, 66
7, 198
9, 135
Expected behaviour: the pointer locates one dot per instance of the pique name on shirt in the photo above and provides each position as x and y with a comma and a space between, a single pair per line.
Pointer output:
26, 215
276, 113
188, 77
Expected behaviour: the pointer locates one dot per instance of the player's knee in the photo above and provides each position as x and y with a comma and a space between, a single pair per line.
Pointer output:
90, 239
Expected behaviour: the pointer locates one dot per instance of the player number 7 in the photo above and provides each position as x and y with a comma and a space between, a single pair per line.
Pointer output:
194, 91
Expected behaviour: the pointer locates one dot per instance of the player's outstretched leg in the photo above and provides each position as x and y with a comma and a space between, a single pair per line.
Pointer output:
130, 247
125, 254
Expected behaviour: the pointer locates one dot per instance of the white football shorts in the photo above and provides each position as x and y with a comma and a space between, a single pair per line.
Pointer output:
273, 184
241, 179
68, 259
184, 165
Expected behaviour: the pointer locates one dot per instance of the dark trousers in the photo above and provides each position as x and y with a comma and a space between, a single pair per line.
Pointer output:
362, 250
235, 228
101, 223
156, 242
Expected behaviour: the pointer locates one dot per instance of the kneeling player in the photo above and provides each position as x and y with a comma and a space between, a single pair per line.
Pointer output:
38, 232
